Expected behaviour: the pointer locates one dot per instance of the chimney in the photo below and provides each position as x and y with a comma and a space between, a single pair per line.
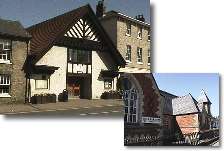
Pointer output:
140, 18
100, 8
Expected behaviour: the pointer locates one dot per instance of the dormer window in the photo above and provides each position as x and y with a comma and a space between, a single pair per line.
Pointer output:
5, 51
128, 29
139, 33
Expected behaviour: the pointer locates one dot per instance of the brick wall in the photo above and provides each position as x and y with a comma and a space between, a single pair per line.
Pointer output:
188, 123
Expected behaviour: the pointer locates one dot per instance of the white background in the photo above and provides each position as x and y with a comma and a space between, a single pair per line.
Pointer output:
188, 36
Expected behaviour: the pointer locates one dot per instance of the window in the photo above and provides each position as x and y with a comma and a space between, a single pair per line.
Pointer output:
5, 51
139, 32
128, 54
128, 29
149, 57
139, 55
79, 56
149, 36
42, 83
130, 106
108, 84
4, 85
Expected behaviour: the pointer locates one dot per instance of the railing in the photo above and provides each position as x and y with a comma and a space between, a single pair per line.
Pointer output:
192, 139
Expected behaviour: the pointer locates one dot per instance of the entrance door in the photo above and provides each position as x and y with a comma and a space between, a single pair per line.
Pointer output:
73, 87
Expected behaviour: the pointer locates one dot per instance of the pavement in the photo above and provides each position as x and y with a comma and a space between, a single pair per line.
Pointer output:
78, 107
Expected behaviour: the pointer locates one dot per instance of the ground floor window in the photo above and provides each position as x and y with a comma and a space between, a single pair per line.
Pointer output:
108, 83
42, 82
4, 84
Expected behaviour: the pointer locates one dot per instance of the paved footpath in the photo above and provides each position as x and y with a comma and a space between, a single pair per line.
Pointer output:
80, 104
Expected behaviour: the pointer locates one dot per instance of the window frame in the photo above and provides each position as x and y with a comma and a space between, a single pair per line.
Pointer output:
128, 30
110, 83
140, 32
139, 59
6, 83
75, 59
5, 52
43, 78
128, 54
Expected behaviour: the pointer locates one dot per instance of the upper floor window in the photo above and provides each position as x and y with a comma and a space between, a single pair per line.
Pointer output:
79, 56
5, 51
128, 54
4, 85
149, 57
149, 36
128, 29
139, 33
139, 55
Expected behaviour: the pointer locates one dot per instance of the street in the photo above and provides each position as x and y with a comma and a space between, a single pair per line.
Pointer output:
90, 111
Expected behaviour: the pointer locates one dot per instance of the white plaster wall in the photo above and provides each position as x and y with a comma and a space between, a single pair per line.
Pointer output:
57, 57
97, 82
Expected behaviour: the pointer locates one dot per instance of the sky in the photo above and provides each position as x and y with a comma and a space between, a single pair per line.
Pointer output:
30, 12
184, 83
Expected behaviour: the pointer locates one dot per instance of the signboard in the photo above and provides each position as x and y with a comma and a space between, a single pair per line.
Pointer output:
153, 120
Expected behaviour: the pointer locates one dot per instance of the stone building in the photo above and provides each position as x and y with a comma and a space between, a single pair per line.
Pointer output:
131, 37
14, 46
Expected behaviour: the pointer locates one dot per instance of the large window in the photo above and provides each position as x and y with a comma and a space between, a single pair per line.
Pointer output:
79, 56
42, 82
130, 109
139, 33
128, 54
5, 51
128, 29
4, 85
139, 55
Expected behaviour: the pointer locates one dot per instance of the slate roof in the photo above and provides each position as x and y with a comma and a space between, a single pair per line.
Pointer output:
46, 33
167, 109
184, 105
13, 29
203, 98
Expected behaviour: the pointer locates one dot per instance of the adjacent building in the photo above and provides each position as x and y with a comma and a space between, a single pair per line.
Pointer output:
14, 45
131, 37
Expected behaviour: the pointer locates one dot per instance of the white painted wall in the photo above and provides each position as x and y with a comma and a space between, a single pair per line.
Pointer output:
57, 57
97, 66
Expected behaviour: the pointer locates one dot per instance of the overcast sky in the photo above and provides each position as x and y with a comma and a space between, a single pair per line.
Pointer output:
183, 83
30, 12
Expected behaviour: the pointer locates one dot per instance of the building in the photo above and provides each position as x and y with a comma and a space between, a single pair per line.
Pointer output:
183, 114
72, 52
14, 45
131, 37
142, 109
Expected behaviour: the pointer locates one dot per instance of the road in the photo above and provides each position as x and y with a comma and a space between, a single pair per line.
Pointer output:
103, 111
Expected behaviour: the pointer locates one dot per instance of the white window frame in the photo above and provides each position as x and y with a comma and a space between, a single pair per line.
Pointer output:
6, 82
129, 115
128, 31
128, 54
139, 55
140, 31
5, 51
44, 78
149, 57
108, 84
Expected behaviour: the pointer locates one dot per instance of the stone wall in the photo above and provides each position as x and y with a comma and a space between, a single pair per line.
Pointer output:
15, 70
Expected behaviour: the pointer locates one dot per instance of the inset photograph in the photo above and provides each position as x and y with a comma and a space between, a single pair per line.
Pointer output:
166, 109
69, 62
